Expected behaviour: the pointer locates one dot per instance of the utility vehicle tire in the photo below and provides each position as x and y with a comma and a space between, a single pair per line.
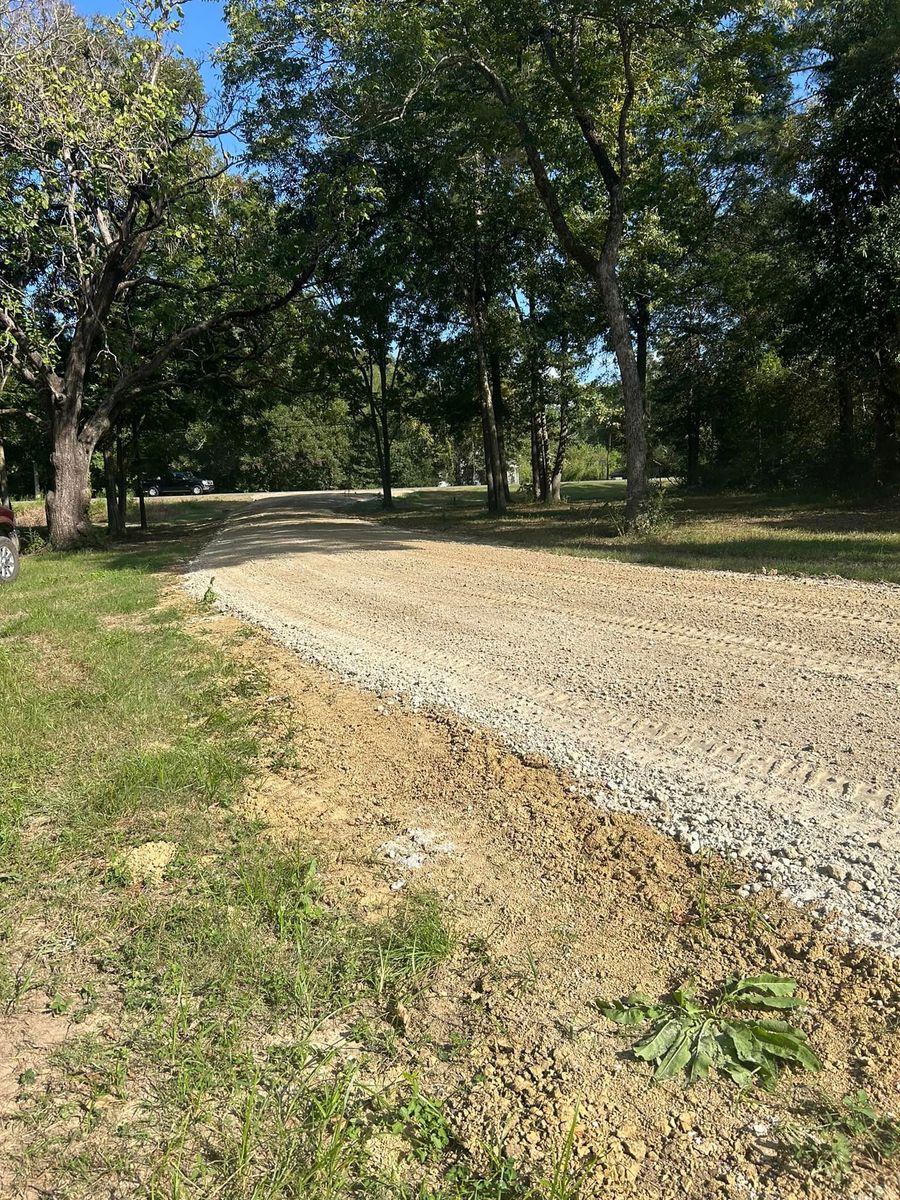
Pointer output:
9, 560
153, 491
198, 491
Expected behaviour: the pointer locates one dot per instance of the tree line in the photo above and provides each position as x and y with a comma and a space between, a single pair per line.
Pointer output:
410, 239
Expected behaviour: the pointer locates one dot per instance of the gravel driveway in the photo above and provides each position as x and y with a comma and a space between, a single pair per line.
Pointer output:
754, 714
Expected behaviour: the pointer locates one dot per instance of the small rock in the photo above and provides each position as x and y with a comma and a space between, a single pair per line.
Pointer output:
833, 871
593, 840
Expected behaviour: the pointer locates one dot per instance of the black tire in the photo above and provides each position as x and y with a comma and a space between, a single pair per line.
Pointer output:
152, 491
9, 560
198, 491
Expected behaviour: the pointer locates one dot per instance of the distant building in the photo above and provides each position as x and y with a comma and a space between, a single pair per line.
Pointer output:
471, 474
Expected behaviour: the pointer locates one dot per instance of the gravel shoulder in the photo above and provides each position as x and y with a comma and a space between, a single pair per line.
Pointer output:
753, 715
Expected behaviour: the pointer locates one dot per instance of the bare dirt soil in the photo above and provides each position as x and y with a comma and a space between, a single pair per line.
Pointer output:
755, 714
556, 904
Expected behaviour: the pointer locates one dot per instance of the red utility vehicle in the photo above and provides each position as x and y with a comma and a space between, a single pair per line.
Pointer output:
9, 546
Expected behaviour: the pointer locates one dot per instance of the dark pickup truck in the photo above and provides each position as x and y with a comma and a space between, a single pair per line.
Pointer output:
175, 483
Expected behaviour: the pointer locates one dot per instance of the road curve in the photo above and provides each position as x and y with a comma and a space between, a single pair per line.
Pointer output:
755, 714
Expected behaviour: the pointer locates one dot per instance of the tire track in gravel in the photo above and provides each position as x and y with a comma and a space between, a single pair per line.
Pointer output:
770, 705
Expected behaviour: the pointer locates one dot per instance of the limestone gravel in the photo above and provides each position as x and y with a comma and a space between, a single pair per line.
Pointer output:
753, 715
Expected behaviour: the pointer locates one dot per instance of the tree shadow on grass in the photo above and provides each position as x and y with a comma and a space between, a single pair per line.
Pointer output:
867, 521
736, 532
853, 558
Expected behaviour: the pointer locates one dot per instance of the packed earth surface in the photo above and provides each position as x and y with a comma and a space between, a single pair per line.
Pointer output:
756, 716
555, 906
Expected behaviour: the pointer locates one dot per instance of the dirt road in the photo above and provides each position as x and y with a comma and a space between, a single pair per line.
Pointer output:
758, 715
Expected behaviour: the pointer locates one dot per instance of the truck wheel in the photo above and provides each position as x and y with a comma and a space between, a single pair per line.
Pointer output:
9, 560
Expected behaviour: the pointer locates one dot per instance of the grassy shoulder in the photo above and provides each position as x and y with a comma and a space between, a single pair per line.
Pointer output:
209, 986
164, 967
791, 535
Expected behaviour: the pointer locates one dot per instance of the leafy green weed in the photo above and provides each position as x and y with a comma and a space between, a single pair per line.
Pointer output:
687, 1036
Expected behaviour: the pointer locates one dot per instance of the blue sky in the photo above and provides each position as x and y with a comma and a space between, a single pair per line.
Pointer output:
203, 28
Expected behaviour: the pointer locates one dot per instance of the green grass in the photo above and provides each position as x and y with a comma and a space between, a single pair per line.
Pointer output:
840, 1136
180, 1004
791, 535
121, 730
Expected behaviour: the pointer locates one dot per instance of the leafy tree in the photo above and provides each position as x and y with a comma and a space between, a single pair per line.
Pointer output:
375, 316
450, 215
852, 213
106, 154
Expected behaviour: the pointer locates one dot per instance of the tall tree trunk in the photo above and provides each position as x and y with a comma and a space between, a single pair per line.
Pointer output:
556, 486
544, 453
492, 464
693, 448
387, 476
121, 484
500, 415
112, 503
37, 480
535, 459
539, 441
632, 393
534, 398
603, 270
380, 434
138, 468
504, 463
68, 502
559, 459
